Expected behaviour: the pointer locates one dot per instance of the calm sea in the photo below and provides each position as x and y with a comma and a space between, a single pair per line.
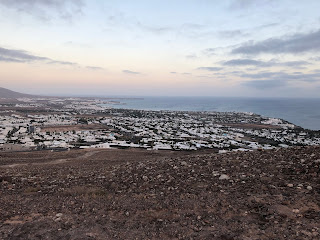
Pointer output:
302, 112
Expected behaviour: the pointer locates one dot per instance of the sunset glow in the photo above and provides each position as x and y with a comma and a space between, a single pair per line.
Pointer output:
262, 48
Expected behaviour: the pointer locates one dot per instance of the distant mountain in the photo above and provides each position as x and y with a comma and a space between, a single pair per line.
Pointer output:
6, 93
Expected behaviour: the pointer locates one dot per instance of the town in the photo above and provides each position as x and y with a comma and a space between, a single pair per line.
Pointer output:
29, 124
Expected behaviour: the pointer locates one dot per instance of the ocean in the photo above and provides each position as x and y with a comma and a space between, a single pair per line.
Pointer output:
302, 112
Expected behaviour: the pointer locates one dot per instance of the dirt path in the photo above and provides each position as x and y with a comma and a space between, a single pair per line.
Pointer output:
57, 161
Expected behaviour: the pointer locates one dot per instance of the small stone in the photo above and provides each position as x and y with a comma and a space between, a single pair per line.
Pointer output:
309, 188
290, 185
59, 215
184, 163
145, 178
127, 214
224, 177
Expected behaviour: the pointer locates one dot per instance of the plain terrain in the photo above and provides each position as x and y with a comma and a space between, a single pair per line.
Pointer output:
138, 194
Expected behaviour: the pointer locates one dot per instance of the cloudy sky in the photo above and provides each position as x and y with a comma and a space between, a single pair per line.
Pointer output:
267, 48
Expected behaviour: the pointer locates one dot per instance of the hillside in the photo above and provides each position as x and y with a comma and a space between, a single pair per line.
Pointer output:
6, 93
135, 194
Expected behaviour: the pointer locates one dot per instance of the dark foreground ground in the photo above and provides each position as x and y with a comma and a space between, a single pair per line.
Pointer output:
132, 194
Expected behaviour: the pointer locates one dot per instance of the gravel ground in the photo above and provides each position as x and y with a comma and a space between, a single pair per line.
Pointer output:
136, 194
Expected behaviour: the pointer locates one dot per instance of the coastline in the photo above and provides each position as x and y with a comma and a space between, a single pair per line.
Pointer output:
302, 112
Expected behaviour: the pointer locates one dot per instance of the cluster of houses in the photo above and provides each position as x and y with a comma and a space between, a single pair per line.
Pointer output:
78, 123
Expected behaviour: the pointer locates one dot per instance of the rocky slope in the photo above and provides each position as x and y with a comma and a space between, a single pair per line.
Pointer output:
131, 194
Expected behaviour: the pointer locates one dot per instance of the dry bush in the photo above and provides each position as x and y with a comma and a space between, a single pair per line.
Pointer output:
32, 189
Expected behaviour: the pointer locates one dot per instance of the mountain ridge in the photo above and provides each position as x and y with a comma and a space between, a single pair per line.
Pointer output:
7, 93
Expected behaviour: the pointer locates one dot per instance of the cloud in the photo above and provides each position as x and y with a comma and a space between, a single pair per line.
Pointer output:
130, 72
245, 62
210, 51
76, 44
45, 9
294, 63
237, 72
233, 33
11, 55
154, 29
269, 80
94, 68
120, 20
211, 69
191, 56
266, 25
281, 76
62, 63
223, 51
239, 4
189, 30
265, 84
297, 43
6, 59
22, 56
261, 75
258, 63
244, 4
184, 73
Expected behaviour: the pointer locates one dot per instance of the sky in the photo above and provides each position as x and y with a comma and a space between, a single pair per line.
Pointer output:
248, 48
